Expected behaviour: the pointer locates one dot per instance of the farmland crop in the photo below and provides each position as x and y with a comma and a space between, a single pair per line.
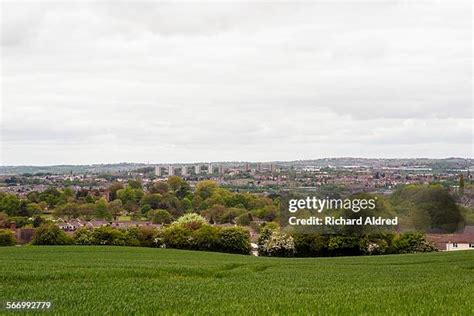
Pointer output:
123, 280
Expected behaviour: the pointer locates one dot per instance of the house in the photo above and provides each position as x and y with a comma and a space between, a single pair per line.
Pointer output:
452, 242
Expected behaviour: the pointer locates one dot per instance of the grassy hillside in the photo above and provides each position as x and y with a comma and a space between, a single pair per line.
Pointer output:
124, 280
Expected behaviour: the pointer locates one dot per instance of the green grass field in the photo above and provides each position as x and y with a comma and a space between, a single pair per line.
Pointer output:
121, 280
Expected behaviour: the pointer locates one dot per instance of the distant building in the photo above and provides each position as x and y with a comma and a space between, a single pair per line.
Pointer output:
221, 170
158, 171
272, 168
452, 242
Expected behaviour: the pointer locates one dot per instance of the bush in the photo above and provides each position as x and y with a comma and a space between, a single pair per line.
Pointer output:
278, 245
190, 221
20, 221
130, 236
83, 236
147, 236
206, 238
107, 235
412, 242
373, 246
244, 219
178, 237
265, 235
159, 216
49, 234
311, 245
7, 238
37, 221
343, 245
234, 240
4, 221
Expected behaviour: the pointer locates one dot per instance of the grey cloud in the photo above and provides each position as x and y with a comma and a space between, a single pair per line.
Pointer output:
175, 81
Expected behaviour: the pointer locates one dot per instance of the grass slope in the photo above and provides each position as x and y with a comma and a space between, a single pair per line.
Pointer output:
122, 280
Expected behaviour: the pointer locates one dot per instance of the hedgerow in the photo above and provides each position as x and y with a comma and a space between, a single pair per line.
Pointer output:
7, 238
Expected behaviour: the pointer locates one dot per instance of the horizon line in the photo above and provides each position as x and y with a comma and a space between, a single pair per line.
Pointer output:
234, 161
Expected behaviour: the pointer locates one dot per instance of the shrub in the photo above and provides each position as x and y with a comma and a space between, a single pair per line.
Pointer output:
37, 221
4, 221
311, 245
7, 238
20, 221
373, 246
158, 241
344, 245
191, 221
244, 219
146, 236
425, 246
412, 242
107, 235
83, 236
277, 244
159, 216
206, 238
265, 235
234, 240
177, 236
49, 234
130, 236
140, 236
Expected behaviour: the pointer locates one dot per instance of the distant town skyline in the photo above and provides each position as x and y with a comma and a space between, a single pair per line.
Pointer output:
267, 163
101, 82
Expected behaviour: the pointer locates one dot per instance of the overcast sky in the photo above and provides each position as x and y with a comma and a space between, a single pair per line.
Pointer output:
100, 82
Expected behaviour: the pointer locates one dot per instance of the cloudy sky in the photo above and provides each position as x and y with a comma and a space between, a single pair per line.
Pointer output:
99, 82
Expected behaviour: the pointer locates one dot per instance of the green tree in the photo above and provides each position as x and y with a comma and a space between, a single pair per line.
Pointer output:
33, 197
101, 209
159, 187
67, 195
51, 196
205, 188
34, 208
49, 234
68, 210
175, 182
10, 204
7, 238
159, 216
116, 208
130, 195
87, 210
4, 220
190, 221
113, 188
244, 219
135, 184
186, 204
430, 207
153, 200
178, 186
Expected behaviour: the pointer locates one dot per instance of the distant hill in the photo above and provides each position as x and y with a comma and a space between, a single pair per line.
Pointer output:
435, 164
